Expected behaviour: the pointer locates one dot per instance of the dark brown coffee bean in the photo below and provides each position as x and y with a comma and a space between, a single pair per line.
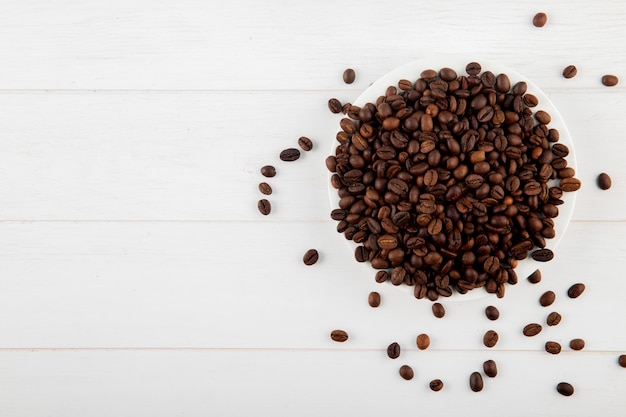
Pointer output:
374, 299
542, 255
473, 68
540, 19
553, 347
535, 277
570, 184
476, 382
348, 76
361, 254
382, 276
406, 372
547, 298
575, 290
604, 181
610, 80
335, 106
565, 388
543, 117
310, 257
438, 310
553, 319
490, 338
289, 154
339, 336
393, 350
268, 171
492, 313
621, 360
265, 188
436, 385
577, 344
264, 206
530, 100
532, 329
305, 143
490, 369
570, 71
423, 341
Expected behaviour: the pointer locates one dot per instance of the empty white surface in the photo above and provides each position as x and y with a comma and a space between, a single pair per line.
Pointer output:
138, 278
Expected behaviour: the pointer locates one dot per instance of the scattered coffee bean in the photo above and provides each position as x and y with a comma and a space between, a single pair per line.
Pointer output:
268, 171
436, 385
289, 154
553, 348
264, 206
310, 257
565, 388
535, 277
604, 181
532, 329
476, 382
576, 290
374, 299
265, 188
490, 338
553, 319
406, 372
348, 76
621, 360
490, 368
610, 80
570, 71
335, 106
393, 350
547, 298
339, 336
438, 310
423, 341
305, 143
492, 313
577, 344
543, 255
540, 19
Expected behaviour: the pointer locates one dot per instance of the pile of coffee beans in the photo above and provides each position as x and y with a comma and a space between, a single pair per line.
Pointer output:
447, 181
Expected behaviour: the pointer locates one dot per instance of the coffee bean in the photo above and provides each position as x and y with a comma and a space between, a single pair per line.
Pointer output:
361, 254
334, 106
382, 276
289, 154
310, 257
490, 338
490, 369
553, 319
265, 188
565, 389
438, 310
553, 348
492, 313
476, 382
575, 290
542, 255
473, 68
570, 71
436, 385
264, 206
547, 298
532, 329
577, 344
423, 341
621, 360
268, 171
535, 277
339, 336
374, 299
406, 372
604, 181
305, 143
610, 80
540, 19
393, 350
348, 76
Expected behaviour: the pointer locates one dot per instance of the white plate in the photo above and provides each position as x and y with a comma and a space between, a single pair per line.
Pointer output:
411, 71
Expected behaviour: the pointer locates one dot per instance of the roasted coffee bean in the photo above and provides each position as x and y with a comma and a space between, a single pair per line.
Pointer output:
393, 350
540, 19
553, 319
265, 188
339, 336
570, 71
476, 382
492, 313
610, 80
382, 276
604, 181
473, 68
334, 106
361, 254
264, 206
577, 344
490, 338
423, 341
532, 329
406, 372
621, 360
575, 290
436, 385
268, 171
542, 255
535, 277
310, 257
565, 388
547, 298
490, 369
570, 184
553, 347
438, 310
289, 154
374, 299
348, 76
305, 143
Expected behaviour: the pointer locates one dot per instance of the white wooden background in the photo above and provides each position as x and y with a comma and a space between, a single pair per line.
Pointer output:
138, 278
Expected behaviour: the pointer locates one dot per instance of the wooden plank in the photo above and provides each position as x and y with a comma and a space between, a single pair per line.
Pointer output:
243, 285
125, 156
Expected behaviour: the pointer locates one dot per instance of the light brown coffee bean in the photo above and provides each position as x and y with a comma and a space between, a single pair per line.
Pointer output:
540, 19
374, 299
423, 341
